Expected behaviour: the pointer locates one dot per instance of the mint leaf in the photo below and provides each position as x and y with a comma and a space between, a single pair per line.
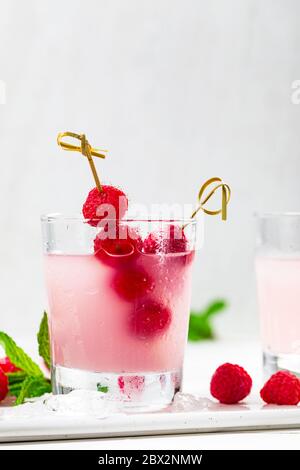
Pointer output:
33, 387
15, 381
43, 340
29, 381
14, 390
215, 307
200, 326
18, 356
102, 388
15, 377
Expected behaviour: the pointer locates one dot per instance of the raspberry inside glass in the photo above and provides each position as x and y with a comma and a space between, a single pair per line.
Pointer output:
132, 283
150, 319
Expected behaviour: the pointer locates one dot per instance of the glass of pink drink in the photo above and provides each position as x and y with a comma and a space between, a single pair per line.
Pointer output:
278, 284
119, 310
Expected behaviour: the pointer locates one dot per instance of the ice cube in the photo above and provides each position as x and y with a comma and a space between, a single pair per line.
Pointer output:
189, 402
82, 402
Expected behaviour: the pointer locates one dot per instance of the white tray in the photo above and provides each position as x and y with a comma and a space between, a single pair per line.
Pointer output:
221, 418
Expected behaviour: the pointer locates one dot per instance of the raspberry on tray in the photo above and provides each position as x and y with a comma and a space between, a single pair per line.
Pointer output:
282, 388
230, 383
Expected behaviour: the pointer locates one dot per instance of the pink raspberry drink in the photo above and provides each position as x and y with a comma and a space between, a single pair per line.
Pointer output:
119, 308
119, 292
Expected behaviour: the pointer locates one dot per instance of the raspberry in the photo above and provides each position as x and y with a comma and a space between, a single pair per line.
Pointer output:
230, 383
282, 388
131, 384
150, 319
189, 257
109, 195
3, 385
120, 247
112, 252
169, 240
7, 366
131, 283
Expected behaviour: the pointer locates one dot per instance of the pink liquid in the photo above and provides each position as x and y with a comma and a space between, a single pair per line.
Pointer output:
278, 282
89, 321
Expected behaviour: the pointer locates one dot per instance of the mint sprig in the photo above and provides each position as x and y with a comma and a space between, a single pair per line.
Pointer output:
15, 380
200, 325
43, 340
30, 381
33, 387
18, 357
102, 388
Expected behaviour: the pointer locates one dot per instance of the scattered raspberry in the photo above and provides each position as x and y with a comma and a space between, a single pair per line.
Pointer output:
282, 388
171, 239
132, 283
7, 366
110, 195
3, 385
150, 319
230, 383
131, 384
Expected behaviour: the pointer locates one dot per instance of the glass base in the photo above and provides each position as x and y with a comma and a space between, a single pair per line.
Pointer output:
274, 362
136, 392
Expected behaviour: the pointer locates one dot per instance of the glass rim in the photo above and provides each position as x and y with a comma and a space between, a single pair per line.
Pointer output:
59, 217
270, 215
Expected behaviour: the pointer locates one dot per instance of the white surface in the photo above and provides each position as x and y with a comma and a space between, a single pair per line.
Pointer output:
180, 91
201, 361
212, 419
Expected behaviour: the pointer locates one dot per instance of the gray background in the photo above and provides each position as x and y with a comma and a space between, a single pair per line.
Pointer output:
178, 91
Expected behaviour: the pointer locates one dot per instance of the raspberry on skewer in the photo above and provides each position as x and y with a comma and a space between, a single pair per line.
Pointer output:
110, 203
103, 200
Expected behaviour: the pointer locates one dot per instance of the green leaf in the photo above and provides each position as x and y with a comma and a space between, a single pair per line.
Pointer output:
15, 381
215, 307
43, 340
200, 326
102, 388
18, 356
14, 390
16, 377
33, 387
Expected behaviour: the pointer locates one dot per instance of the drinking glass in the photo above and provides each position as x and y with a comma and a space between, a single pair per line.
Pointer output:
278, 285
118, 320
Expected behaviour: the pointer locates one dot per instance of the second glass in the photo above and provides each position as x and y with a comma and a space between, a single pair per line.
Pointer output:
278, 284
118, 322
